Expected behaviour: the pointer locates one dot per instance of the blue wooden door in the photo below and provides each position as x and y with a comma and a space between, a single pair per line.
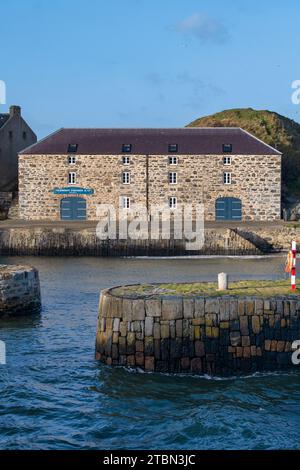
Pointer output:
228, 208
73, 208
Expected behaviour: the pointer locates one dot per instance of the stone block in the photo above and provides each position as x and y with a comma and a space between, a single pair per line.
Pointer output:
139, 359
157, 349
149, 326
197, 332
165, 349
139, 346
138, 309
130, 343
224, 325
131, 360
267, 345
215, 332
196, 364
172, 309
185, 328
153, 307
188, 308
255, 324
172, 329
280, 346
247, 351
273, 345
199, 348
259, 306
149, 346
208, 331
185, 363
233, 313
122, 345
149, 363
115, 338
212, 306
199, 308
249, 307
239, 351
279, 307
235, 338
245, 341
244, 325
241, 307
179, 328
123, 328
116, 324
286, 308
224, 309
127, 310
156, 331
115, 351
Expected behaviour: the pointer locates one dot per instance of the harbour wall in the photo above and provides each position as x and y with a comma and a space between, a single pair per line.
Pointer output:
222, 336
247, 239
19, 290
64, 241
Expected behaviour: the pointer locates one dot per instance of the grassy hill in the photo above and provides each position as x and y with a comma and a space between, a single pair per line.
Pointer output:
276, 130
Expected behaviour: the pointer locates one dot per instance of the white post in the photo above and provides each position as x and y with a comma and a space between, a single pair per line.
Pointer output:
222, 281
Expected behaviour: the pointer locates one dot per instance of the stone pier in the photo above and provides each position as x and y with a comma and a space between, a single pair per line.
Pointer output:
19, 290
215, 334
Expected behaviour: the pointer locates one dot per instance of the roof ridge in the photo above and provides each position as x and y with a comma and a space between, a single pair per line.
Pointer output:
261, 141
40, 141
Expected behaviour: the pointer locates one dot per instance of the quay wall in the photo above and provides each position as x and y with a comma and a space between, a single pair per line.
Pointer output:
222, 336
19, 290
65, 241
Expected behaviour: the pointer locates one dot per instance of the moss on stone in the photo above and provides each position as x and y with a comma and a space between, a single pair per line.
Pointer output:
258, 288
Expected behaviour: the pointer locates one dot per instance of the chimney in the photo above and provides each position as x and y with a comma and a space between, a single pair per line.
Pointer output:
15, 111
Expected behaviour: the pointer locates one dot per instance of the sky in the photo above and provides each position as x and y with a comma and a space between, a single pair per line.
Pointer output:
146, 63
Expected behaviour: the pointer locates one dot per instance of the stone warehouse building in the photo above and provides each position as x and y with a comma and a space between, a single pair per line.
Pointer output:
66, 175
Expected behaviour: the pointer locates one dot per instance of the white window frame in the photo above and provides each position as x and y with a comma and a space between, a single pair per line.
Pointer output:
173, 202
125, 202
173, 160
71, 159
227, 160
173, 177
227, 177
126, 160
72, 178
126, 177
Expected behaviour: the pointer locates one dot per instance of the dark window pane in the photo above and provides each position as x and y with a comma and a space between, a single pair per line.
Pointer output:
227, 147
72, 148
126, 148
173, 147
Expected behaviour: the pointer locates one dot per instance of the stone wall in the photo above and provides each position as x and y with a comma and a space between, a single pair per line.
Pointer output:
5, 203
214, 335
256, 180
63, 241
19, 290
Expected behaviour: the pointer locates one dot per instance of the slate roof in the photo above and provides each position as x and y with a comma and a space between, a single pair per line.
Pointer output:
3, 119
190, 141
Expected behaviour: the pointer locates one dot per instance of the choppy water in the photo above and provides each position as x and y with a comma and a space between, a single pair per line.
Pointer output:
53, 395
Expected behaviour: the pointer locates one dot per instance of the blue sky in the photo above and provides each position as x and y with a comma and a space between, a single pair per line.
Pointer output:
146, 63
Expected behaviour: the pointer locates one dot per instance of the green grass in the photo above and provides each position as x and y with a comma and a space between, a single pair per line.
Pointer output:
239, 288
